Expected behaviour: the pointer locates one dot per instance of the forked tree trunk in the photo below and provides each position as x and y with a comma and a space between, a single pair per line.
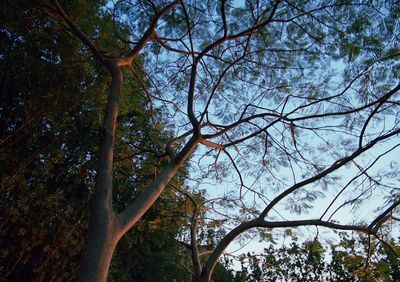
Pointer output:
96, 259
204, 277
106, 227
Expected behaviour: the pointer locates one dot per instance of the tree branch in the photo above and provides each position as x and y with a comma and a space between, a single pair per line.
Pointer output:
382, 218
336, 165
145, 200
149, 33
75, 29
223, 244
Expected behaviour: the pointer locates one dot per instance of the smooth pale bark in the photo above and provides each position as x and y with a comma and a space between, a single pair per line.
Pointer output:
145, 200
104, 228
193, 246
96, 259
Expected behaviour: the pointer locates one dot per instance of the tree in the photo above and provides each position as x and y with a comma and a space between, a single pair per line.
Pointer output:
310, 261
46, 125
288, 94
52, 96
367, 259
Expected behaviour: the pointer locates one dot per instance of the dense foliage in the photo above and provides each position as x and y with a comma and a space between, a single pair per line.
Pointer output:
346, 260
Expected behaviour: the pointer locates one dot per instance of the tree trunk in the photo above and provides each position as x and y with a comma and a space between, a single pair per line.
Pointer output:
96, 258
204, 277
104, 226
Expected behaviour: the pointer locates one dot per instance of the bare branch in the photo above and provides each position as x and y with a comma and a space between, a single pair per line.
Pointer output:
259, 222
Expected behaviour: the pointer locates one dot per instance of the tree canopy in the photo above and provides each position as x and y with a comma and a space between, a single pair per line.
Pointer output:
280, 114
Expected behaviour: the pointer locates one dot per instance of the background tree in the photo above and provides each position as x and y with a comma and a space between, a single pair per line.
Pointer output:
310, 261
285, 95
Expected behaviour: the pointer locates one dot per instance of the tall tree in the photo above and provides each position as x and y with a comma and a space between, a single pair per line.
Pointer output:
52, 99
47, 125
289, 94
